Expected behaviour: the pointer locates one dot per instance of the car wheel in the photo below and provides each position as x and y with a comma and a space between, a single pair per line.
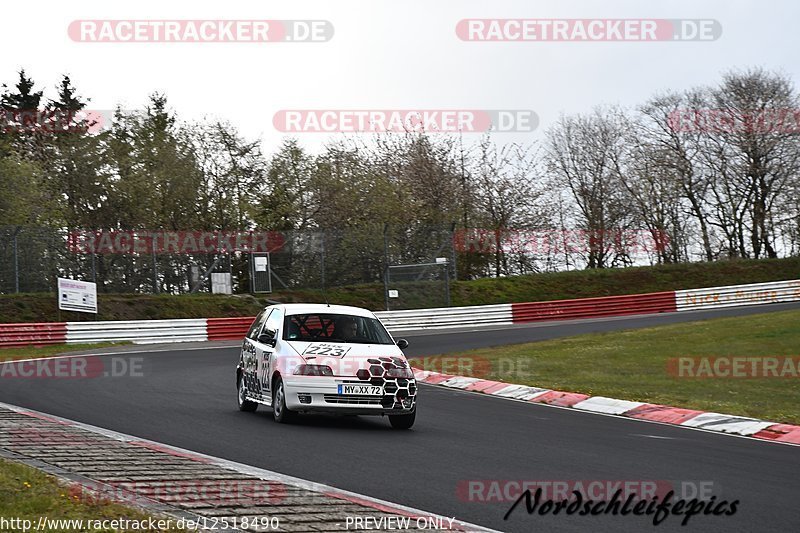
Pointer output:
280, 412
244, 404
403, 421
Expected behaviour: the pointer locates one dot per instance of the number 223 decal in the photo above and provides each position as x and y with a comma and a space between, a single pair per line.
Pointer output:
326, 349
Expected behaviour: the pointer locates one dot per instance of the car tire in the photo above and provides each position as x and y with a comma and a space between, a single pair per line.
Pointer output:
241, 394
403, 421
280, 412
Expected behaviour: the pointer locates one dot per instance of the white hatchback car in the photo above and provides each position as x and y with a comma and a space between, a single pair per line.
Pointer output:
325, 358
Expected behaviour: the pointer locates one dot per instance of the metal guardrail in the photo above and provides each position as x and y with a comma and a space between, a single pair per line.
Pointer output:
139, 331
36, 334
225, 329
446, 317
152, 331
636, 304
737, 295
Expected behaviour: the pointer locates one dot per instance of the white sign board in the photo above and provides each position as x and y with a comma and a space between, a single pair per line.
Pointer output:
74, 295
260, 263
394, 294
221, 283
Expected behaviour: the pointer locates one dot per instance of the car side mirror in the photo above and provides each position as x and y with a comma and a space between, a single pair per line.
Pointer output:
267, 338
402, 344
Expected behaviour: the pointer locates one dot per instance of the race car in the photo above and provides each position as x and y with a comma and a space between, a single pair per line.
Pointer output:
304, 358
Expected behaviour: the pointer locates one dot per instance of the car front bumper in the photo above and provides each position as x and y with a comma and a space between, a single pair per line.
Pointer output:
321, 394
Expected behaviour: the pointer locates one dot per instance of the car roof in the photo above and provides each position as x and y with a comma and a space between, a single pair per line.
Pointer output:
301, 309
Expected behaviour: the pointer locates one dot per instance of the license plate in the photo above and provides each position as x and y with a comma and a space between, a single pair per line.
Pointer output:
361, 390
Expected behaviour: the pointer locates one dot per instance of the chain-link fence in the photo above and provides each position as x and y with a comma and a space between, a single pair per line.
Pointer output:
176, 262
418, 285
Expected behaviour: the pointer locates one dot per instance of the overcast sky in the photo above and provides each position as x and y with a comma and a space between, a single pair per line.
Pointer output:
390, 55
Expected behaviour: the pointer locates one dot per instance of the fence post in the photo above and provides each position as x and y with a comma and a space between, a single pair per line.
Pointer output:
155, 264
323, 261
16, 262
453, 250
447, 285
386, 265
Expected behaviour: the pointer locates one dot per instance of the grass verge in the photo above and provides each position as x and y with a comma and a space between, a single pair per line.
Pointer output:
633, 365
27, 494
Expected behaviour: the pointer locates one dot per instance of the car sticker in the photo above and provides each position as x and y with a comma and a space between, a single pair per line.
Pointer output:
321, 348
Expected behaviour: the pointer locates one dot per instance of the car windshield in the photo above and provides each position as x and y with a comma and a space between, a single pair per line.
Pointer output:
328, 327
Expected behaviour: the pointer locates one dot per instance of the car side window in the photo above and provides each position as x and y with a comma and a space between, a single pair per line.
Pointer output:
258, 323
274, 321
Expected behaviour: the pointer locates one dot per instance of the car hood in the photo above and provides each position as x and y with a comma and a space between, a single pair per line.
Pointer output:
351, 350
356, 356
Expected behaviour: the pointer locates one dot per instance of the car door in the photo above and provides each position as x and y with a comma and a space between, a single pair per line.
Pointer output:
266, 345
250, 354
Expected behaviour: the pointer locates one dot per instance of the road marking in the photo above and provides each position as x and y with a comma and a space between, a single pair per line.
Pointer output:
654, 436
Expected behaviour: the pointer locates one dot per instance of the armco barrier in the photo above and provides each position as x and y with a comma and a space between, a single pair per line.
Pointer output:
139, 331
152, 331
446, 317
637, 304
235, 328
225, 329
38, 334
736, 295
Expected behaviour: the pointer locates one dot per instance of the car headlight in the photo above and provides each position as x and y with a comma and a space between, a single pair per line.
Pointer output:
313, 370
406, 373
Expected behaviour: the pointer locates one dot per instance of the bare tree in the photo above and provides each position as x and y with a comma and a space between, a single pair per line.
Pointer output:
585, 152
674, 145
655, 198
764, 156
507, 180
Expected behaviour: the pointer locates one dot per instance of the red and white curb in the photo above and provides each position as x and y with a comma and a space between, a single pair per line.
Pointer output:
367, 502
722, 423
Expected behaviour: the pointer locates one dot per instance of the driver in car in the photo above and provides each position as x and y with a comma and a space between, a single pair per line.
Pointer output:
346, 329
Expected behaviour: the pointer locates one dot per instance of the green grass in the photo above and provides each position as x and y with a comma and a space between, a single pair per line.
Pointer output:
41, 307
33, 352
532, 288
27, 494
632, 365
